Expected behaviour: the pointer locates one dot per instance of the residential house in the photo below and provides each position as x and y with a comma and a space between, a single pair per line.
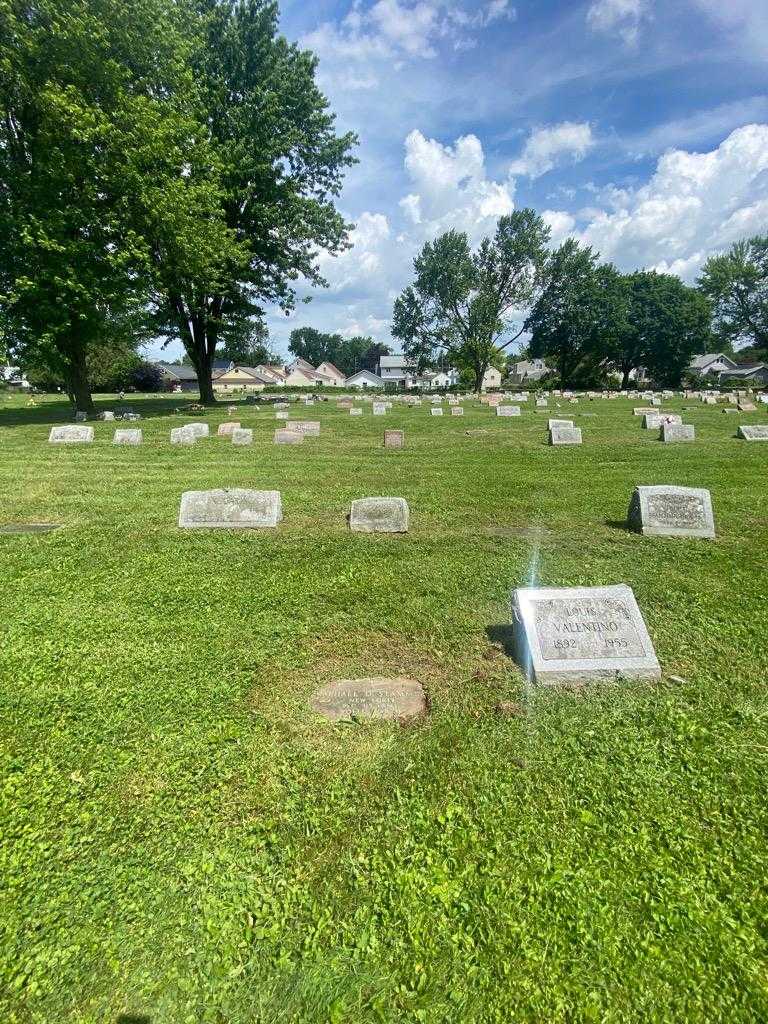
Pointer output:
274, 375
749, 373
245, 378
526, 371
711, 364
397, 370
491, 378
332, 373
364, 379
178, 378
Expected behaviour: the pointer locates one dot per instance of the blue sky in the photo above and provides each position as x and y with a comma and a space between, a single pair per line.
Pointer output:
639, 126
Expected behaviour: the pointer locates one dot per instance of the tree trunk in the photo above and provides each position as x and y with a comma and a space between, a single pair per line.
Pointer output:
79, 389
625, 378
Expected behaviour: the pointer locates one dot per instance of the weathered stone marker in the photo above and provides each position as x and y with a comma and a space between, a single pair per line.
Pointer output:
108, 417
559, 423
379, 409
375, 697
754, 433
226, 429
127, 437
747, 407
667, 511
573, 635
671, 432
230, 508
436, 411
70, 435
288, 437
242, 436
81, 417
311, 428
379, 515
456, 410
355, 411
394, 438
507, 410
564, 435
198, 429
282, 414
182, 435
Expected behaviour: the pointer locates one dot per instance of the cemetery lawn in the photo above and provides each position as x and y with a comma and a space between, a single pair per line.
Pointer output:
183, 840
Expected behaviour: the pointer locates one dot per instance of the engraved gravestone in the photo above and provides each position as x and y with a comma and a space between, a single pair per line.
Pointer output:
225, 429
747, 407
671, 432
559, 423
379, 515
394, 438
564, 435
108, 417
436, 411
580, 634
355, 411
288, 437
230, 508
456, 410
242, 436
753, 433
198, 429
70, 435
376, 697
81, 417
507, 410
127, 437
379, 409
668, 511
282, 414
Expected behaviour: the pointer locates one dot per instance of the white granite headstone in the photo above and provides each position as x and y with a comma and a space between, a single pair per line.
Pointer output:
664, 510
230, 508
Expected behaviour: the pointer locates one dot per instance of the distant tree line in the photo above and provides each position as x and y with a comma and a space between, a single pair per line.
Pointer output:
347, 354
583, 316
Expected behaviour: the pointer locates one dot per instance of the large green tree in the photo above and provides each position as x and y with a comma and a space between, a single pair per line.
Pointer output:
249, 346
463, 303
277, 165
736, 283
94, 103
660, 324
575, 319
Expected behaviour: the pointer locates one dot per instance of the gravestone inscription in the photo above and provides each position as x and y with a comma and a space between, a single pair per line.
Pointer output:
753, 433
668, 511
376, 697
671, 432
394, 438
565, 435
575, 635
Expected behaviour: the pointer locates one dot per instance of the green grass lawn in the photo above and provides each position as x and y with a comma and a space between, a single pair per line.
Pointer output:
182, 840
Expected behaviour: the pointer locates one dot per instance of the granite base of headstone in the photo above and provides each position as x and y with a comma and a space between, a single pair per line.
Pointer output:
576, 635
379, 515
233, 508
664, 510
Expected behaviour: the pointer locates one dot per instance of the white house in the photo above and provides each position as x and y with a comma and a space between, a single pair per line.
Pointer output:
712, 364
397, 370
527, 370
364, 379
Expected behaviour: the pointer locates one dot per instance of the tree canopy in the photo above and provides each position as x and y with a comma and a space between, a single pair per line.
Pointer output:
736, 283
462, 303
347, 354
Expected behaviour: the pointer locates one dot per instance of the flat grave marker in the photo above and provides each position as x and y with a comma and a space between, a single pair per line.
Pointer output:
394, 438
131, 436
758, 432
288, 437
670, 433
565, 435
242, 436
375, 697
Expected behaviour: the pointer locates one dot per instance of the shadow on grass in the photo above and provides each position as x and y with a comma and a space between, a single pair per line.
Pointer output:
133, 1018
57, 411
619, 524
503, 635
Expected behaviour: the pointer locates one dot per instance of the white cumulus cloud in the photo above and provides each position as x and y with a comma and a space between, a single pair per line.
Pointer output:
693, 205
546, 147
